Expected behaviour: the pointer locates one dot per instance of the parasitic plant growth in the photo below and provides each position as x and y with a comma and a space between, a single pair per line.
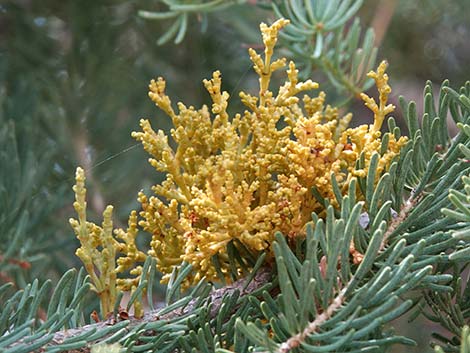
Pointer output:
233, 181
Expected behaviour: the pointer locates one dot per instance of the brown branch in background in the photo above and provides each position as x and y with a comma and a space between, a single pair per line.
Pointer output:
81, 145
382, 18
97, 200
4, 276
262, 277
25, 265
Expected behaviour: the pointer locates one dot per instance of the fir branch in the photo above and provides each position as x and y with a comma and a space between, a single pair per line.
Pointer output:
296, 340
402, 221
244, 286
319, 37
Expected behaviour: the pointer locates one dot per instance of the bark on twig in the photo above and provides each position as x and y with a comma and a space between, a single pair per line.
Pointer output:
297, 339
262, 277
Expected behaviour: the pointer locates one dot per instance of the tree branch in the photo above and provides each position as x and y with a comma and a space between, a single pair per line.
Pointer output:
296, 340
262, 277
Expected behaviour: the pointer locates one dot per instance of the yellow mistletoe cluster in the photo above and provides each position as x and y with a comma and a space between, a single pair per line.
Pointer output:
99, 247
233, 181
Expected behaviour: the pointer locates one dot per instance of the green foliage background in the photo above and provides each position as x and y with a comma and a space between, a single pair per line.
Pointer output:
73, 85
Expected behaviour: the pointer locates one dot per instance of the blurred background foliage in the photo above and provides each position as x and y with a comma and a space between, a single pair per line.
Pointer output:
73, 85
